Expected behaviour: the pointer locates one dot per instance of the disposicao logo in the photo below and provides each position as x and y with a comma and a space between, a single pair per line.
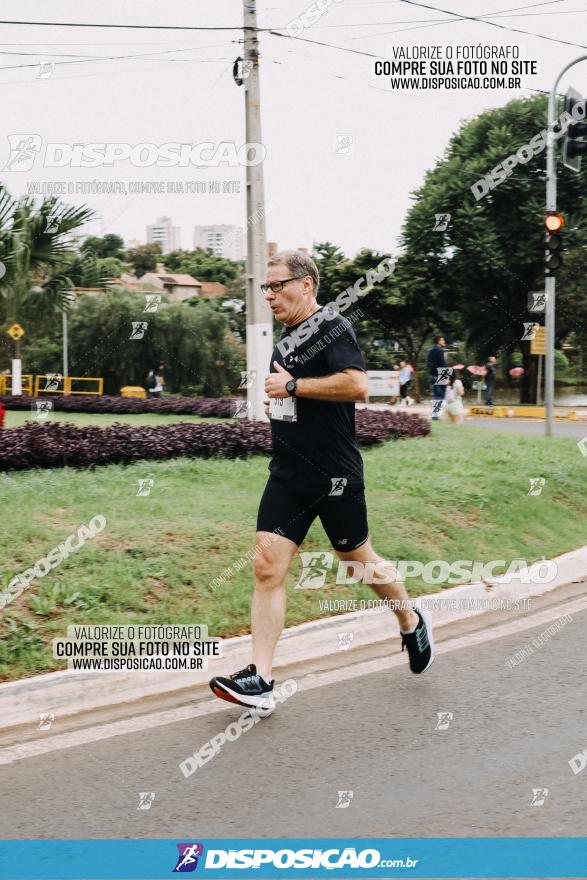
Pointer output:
187, 860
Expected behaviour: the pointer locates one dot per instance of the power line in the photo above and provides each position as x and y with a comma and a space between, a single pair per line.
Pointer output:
495, 24
152, 27
442, 21
431, 22
141, 55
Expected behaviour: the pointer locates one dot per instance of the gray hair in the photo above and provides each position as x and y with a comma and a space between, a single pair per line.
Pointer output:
298, 263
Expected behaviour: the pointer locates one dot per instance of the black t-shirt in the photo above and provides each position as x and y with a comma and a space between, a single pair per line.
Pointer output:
321, 445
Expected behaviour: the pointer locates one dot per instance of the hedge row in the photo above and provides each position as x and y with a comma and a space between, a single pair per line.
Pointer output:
222, 407
59, 444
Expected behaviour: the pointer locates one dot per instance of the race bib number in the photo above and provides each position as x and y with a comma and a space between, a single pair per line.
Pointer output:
283, 409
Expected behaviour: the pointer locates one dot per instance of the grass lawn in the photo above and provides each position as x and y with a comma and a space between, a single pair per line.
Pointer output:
461, 493
17, 418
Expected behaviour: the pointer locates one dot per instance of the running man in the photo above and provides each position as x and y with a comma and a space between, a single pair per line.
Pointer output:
317, 374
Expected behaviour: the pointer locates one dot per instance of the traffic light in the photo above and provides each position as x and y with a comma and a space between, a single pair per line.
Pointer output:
573, 148
553, 242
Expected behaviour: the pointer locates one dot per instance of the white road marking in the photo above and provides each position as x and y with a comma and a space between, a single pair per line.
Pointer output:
313, 680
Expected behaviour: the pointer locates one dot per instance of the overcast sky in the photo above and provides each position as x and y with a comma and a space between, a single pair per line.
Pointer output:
311, 96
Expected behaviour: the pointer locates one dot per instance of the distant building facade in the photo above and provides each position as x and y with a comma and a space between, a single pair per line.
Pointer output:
163, 233
223, 240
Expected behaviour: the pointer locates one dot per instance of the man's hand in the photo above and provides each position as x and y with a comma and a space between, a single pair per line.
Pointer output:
275, 382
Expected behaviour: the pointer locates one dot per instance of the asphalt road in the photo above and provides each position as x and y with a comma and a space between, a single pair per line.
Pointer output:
512, 730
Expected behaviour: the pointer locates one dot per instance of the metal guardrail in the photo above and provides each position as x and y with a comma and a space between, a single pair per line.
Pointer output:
54, 384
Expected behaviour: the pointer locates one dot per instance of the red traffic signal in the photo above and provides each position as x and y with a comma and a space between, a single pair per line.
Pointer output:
553, 242
554, 222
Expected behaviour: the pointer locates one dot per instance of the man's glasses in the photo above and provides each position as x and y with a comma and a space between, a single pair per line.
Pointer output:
277, 286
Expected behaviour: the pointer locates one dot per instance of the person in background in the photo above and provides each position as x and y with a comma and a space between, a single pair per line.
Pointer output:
489, 380
406, 374
455, 392
435, 361
155, 381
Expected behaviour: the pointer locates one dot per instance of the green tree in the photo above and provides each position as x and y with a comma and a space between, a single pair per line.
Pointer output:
110, 267
200, 354
109, 245
36, 253
203, 265
144, 258
406, 307
490, 255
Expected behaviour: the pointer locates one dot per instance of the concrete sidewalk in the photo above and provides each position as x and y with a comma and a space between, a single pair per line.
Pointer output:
425, 410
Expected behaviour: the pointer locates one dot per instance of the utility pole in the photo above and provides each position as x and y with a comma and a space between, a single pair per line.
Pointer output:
549, 282
259, 315
65, 349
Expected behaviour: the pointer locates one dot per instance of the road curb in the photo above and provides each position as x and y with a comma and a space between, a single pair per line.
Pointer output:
69, 693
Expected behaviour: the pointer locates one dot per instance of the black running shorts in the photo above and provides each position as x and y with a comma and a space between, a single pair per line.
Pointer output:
292, 509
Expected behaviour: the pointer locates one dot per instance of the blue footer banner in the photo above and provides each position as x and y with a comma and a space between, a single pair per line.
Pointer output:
491, 857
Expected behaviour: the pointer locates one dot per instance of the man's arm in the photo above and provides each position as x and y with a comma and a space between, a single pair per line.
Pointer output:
345, 386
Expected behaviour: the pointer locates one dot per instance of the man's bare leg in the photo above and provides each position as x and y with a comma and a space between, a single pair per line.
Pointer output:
270, 565
387, 587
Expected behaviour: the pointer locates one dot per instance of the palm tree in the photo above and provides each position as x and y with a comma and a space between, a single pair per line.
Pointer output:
38, 260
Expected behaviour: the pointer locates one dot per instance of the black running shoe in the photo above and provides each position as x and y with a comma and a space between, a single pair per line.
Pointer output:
420, 643
246, 688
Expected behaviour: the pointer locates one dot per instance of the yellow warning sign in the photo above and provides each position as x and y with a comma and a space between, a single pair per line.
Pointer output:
15, 332
538, 341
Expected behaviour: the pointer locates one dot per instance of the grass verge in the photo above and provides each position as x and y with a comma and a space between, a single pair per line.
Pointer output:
461, 493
